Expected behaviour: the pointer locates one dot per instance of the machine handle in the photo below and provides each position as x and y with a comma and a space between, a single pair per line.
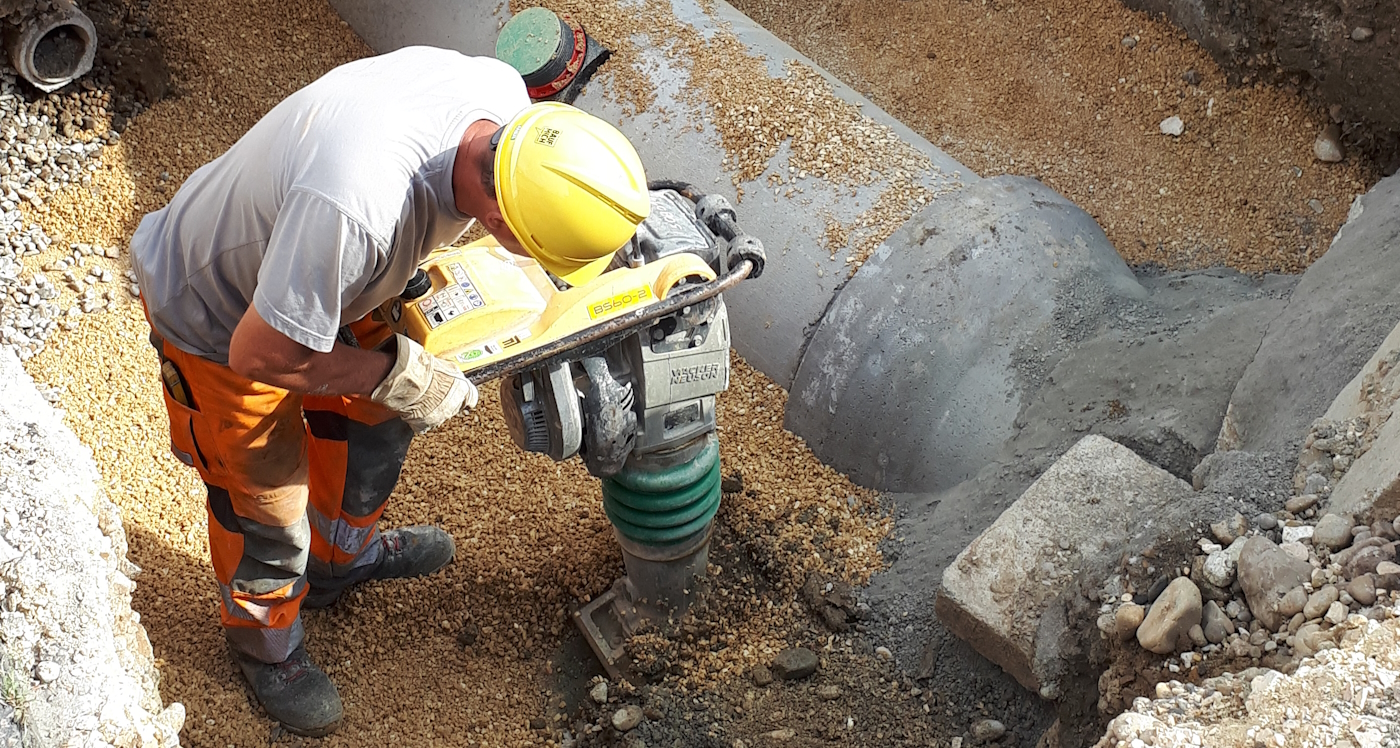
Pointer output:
614, 329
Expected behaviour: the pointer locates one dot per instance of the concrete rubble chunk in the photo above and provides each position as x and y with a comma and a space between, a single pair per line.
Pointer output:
1266, 573
1219, 568
1003, 593
1174, 613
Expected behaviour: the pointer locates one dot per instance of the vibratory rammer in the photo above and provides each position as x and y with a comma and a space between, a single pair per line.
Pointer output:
622, 371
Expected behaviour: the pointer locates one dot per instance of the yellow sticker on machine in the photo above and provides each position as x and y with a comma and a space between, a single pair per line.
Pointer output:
618, 302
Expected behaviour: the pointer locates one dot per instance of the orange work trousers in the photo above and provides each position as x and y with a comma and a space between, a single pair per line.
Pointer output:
296, 486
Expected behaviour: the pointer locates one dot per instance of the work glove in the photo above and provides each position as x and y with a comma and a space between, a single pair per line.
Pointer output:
422, 388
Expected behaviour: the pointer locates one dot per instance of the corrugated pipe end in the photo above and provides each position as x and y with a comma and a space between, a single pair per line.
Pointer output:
54, 48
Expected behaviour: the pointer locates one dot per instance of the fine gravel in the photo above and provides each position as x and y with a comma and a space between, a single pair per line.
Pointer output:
1074, 92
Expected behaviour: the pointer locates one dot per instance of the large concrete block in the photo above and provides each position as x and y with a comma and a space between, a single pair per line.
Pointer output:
1006, 593
916, 375
1343, 307
1371, 487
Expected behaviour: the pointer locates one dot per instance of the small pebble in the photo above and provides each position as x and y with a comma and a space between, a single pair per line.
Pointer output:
1328, 145
627, 717
987, 730
599, 693
795, 663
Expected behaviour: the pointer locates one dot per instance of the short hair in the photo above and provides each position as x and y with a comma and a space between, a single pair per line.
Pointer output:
488, 162
487, 169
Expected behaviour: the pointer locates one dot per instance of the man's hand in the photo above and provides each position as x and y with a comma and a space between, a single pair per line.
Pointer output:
261, 353
424, 389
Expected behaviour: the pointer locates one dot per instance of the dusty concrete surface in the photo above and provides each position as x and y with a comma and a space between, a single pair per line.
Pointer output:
1371, 484
1004, 593
1344, 54
75, 665
1001, 324
1343, 307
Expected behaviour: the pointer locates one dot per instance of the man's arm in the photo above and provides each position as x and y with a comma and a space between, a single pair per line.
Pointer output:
263, 354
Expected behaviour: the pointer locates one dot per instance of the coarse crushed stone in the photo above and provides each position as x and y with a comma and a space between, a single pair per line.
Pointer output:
1048, 89
531, 533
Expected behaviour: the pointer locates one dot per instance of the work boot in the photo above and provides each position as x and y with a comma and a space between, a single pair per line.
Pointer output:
295, 693
415, 551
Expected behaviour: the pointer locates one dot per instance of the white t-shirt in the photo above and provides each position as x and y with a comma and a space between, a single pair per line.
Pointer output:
323, 210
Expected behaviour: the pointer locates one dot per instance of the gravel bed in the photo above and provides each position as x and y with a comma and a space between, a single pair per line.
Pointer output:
1075, 93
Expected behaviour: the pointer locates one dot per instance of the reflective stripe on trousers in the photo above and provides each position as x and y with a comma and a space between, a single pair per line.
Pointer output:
296, 487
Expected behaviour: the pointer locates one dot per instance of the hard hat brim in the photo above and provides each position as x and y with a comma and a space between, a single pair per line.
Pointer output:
588, 272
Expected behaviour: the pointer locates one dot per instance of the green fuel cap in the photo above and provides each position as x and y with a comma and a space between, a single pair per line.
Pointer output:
537, 43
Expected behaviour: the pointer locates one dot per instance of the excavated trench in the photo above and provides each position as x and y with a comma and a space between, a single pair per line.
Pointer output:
482, 653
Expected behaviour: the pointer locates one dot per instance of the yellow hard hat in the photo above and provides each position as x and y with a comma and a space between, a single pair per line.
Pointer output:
571, 188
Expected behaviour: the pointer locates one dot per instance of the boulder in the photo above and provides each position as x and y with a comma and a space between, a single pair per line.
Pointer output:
1363, 589
1319, 602
1333, 532
1173, 615
1292, 603
1214, 623
1007, 593
1266, 573
1229, 530
1127, 619
795, 663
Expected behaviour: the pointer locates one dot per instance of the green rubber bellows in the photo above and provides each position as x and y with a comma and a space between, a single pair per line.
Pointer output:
668, 506
538, 44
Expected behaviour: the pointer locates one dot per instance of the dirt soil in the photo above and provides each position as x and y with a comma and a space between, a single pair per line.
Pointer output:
1048, 88
481, 654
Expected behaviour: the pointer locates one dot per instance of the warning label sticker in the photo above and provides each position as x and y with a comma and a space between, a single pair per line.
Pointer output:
452, 301
480, 352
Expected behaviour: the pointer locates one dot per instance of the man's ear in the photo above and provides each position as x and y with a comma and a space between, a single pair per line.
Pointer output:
495, 223
493, 220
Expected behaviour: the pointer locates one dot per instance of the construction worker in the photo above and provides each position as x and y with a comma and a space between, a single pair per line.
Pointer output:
259, 279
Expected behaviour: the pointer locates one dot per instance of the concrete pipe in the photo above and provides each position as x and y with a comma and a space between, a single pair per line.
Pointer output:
53, 48
677, 138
